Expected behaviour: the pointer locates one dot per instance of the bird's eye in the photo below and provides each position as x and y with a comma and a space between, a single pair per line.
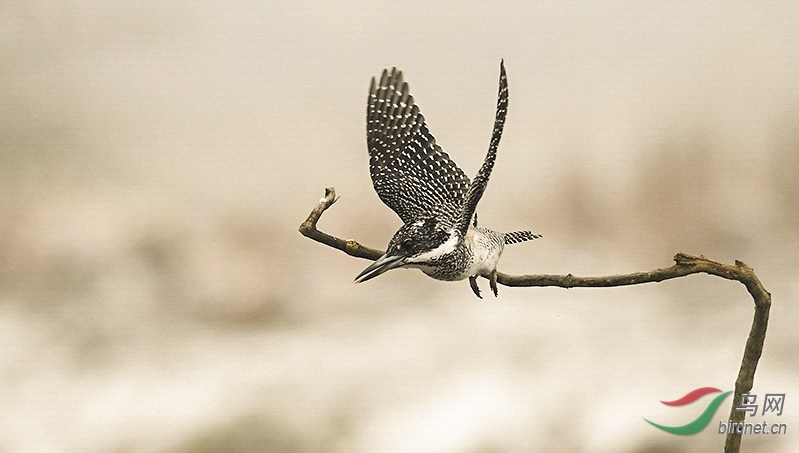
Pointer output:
405, 244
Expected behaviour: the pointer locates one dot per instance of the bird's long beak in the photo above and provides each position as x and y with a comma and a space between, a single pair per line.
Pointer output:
383, 264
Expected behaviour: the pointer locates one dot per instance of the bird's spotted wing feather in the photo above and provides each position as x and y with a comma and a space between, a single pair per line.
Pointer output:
480, 182
410, 172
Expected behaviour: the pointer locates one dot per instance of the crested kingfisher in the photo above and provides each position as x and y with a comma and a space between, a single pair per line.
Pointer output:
434, 198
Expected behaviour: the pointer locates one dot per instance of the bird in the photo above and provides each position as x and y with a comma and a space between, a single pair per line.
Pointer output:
432, 196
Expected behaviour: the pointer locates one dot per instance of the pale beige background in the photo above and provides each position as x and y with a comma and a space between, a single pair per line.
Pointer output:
156, 159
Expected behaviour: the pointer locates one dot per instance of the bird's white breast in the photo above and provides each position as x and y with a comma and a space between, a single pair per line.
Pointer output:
487, 248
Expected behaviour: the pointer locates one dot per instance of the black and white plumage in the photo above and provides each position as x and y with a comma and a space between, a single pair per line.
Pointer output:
434, 198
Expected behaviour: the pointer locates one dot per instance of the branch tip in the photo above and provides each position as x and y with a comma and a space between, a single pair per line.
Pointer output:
330, 196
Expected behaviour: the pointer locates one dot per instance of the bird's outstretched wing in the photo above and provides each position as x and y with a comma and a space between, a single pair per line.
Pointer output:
480, 182
410, 172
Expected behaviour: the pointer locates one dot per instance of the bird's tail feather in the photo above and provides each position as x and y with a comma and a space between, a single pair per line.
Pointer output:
515, 237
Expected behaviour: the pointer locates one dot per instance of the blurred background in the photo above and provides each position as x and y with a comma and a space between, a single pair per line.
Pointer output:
157, 158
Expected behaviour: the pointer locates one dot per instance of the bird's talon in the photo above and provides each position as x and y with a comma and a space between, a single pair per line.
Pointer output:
493, 280
473, 285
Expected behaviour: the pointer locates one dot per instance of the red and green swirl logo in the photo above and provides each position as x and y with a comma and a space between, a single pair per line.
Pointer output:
703, 420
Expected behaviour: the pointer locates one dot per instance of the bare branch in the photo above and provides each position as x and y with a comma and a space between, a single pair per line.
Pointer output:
685, 264
350, 247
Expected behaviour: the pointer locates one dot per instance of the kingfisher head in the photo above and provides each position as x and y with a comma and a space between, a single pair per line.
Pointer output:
418, 244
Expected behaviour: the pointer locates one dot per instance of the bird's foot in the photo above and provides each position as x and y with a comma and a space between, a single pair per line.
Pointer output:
473, 285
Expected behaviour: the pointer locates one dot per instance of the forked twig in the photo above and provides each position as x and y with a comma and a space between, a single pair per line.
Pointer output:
684, 264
